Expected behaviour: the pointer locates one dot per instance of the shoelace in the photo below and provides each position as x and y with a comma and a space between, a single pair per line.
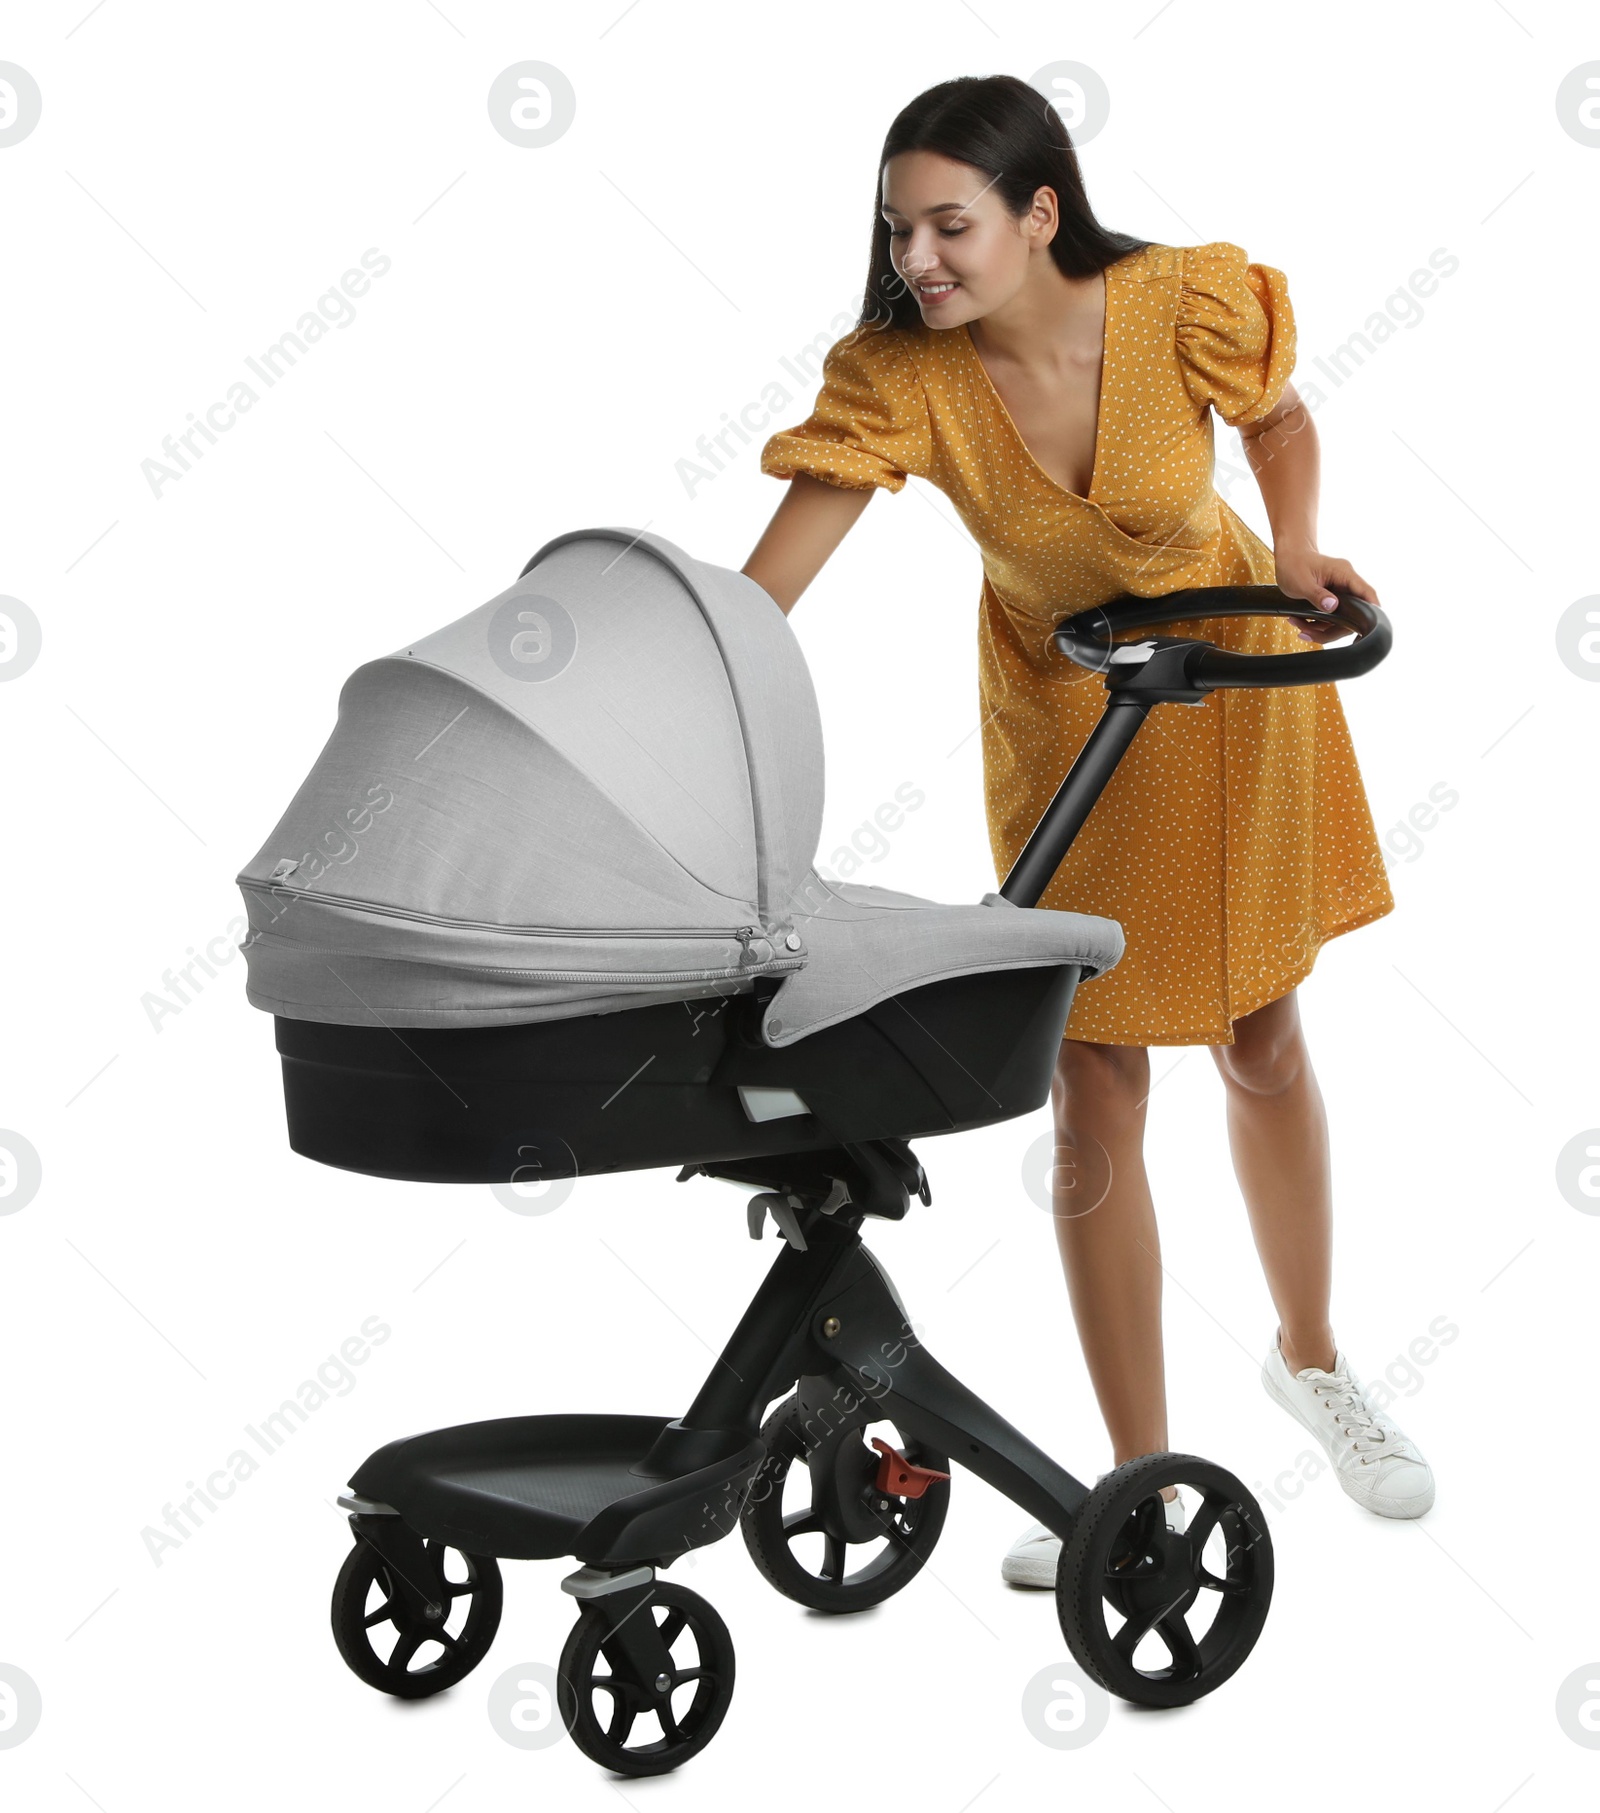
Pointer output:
1364, 1426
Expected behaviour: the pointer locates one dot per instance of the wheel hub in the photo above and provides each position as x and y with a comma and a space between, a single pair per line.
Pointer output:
1154, 1576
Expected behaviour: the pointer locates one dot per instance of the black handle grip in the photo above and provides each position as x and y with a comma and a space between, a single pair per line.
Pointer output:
1087, 635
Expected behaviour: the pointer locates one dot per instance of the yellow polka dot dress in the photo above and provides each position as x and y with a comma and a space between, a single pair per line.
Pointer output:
1235, 836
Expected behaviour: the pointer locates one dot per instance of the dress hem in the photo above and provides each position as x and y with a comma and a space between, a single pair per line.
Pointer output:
1351, 922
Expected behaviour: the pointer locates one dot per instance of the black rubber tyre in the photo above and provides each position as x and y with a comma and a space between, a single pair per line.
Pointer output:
1122, 1556
603, 1733
474, 1578
907, 1527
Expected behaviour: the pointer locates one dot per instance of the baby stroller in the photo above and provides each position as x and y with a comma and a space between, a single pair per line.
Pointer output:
545, 908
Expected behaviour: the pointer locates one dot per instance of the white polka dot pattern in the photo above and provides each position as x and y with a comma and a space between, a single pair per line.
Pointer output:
1235, 836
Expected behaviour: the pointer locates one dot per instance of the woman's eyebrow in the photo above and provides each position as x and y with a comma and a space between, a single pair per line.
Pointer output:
939, 207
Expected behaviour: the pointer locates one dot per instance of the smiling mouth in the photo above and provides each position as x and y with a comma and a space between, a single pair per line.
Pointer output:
936, 292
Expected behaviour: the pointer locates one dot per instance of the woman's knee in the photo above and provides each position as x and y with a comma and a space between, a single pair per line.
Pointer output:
1099, 1084
1268, 1051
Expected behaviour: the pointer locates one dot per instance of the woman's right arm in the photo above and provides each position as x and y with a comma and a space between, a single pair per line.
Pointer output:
806, 527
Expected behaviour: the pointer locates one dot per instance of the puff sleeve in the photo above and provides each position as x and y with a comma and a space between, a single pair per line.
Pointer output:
869, 426
1236, 333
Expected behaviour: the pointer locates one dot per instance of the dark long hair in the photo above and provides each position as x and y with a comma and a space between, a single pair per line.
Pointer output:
1006, 128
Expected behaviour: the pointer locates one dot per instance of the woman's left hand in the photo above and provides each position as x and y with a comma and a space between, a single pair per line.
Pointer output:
1304, 573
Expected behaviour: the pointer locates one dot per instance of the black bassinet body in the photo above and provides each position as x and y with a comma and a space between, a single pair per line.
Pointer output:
545, 905
684, 1083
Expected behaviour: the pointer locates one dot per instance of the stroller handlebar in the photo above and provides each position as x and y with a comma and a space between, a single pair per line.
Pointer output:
1175, 670
1086, 637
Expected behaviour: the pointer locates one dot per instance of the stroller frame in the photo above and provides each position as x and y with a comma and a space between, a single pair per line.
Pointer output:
625, 1495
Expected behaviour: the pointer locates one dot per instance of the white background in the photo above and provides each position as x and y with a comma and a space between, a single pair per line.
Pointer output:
558, 328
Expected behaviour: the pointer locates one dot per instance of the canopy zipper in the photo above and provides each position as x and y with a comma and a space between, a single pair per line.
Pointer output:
284, 890
777, 966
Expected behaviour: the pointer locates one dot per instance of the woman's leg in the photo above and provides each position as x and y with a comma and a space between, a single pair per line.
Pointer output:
1106, 1230
1278, 1133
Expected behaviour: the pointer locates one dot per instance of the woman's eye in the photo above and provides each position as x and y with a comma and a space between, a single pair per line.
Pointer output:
944, 233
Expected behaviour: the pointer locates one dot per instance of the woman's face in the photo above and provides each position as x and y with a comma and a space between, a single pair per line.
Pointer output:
951, 240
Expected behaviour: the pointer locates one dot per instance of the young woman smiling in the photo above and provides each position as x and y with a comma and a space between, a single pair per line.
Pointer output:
1056, 380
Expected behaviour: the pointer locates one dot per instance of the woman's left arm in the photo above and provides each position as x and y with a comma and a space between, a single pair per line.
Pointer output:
1283, 453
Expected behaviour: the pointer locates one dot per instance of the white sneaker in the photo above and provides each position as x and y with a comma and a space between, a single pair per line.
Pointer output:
1032, 1558
1375, 1463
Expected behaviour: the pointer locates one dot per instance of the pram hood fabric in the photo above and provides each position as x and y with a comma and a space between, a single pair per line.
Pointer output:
601, 789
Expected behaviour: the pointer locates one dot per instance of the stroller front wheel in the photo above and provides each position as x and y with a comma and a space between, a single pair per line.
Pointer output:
639, 1676
428, 1653
1160, 1616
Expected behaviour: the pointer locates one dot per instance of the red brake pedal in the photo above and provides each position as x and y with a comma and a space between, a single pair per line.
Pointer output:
899, 1477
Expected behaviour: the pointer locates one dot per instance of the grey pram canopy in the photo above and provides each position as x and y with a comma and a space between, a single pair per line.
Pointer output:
599, 790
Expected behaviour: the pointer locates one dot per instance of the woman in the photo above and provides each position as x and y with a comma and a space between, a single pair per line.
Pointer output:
1055, 379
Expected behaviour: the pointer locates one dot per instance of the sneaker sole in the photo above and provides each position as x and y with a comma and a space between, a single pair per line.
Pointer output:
1027, 1573
1381, 1507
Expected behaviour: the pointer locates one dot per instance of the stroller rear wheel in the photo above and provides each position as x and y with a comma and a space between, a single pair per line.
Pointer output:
845, 1509
429, 1652
1188, 1604
640, 1678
